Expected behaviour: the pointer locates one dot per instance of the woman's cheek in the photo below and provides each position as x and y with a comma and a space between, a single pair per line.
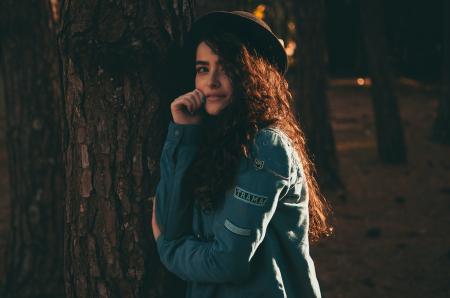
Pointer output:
198, 83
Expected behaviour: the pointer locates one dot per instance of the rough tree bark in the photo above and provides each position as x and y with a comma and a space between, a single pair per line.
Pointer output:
204, 6
311, 84
441, 127
120, 74
30, 69
390, 139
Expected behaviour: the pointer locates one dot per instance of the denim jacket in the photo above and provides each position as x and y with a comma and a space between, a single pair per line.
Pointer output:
256, 243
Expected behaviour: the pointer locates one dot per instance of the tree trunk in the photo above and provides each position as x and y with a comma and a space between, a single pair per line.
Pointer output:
390, 139
30, 69
311, 83
205, 6
120, 75
441, 127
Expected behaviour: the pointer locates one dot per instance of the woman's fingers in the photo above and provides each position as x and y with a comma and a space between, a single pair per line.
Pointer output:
184, 107
200, 97
196, 97
193, 102
186, 102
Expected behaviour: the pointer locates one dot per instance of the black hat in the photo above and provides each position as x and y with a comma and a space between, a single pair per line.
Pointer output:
254, 32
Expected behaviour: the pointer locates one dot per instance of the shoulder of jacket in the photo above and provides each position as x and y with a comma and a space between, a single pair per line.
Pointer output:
272, 152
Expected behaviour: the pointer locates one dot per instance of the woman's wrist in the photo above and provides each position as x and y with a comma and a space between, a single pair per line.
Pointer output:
187, 134
186, 122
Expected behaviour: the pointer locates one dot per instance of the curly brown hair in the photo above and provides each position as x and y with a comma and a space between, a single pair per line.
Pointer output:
261, 97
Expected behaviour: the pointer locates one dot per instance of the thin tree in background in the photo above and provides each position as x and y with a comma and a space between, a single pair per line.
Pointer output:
441, 127
30, 70
389, 130
120, 74
311, 85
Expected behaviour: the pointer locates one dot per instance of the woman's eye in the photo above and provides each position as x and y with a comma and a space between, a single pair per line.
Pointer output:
201, 69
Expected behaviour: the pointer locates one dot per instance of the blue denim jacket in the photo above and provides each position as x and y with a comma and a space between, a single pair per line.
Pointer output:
256, 244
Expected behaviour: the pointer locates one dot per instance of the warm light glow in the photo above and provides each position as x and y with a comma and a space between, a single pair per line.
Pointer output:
54, 4
259, 11
364, 81
290, 48
291, 26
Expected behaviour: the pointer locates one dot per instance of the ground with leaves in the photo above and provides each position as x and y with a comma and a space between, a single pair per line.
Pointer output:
392, 223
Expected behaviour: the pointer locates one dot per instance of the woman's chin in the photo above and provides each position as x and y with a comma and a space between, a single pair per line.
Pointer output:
213, 111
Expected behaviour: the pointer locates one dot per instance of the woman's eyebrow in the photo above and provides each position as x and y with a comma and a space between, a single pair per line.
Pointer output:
200, 62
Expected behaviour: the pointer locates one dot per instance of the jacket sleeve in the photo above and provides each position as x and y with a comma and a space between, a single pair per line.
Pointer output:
173, 211
241, 224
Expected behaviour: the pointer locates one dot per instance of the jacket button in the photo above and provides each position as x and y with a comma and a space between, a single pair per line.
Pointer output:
198, 236
177, 132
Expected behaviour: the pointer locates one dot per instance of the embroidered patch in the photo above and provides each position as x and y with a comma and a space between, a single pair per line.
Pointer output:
248, 197
235, 229
259, 164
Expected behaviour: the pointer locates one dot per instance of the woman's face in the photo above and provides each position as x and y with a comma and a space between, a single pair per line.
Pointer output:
211, 79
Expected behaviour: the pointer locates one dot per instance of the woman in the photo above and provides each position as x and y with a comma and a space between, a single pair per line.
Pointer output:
237, 202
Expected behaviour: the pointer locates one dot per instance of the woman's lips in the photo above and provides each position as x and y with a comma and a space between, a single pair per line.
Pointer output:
215, 97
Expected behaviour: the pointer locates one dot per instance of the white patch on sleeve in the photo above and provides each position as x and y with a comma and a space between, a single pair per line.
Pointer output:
248, 197
235, 229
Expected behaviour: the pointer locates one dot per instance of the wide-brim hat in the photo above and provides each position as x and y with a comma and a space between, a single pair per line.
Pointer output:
253, 32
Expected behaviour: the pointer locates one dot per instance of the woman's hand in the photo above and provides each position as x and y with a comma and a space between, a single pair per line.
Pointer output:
155, 228
185, 108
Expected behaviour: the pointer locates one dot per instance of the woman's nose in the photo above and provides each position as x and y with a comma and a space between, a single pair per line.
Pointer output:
214, 80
